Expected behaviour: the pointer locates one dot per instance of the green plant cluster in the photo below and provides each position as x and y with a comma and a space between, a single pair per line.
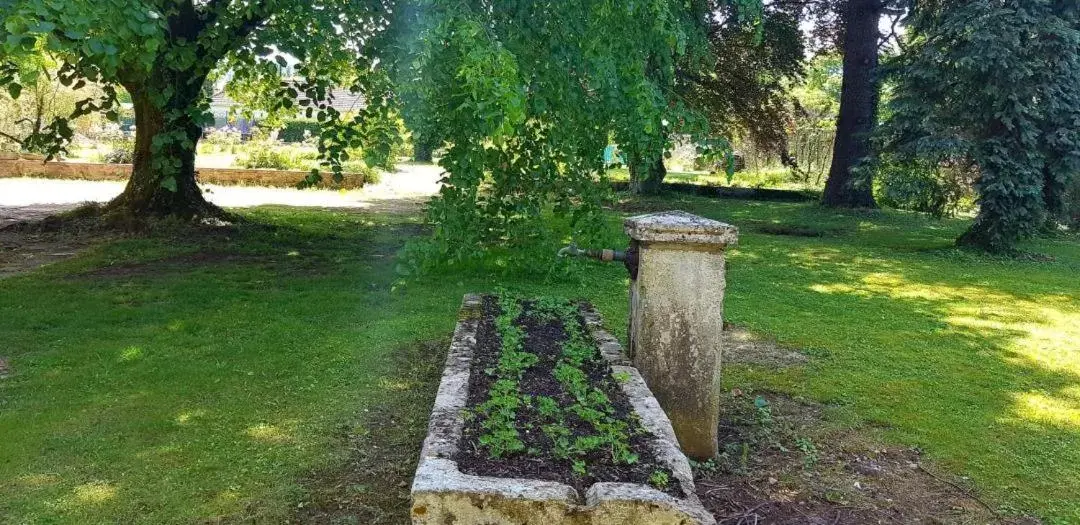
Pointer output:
273, 156
588, 402
267, 157
526, 103
499, 412
298, 130
121, 151
941, 189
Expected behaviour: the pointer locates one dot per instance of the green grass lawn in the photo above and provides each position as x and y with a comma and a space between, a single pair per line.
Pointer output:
778, 179
231, 376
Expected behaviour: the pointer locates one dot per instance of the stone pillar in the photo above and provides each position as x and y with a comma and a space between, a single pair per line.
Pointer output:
676, 319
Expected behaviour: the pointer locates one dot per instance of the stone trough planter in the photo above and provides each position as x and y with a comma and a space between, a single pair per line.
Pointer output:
443, 494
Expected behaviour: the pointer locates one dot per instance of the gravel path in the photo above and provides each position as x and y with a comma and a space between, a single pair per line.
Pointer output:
403, 191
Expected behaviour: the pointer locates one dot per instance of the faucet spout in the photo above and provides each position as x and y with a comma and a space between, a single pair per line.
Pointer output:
628, 257
605, 255
571, 251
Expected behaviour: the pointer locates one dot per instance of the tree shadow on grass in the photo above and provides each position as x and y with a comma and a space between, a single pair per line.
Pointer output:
372, 485
194, 388
254, 247
970, 361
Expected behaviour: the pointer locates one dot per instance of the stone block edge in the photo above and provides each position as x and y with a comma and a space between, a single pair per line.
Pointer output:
437, 473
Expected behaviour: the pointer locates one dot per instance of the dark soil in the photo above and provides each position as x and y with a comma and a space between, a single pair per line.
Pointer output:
789, 467
544, 338
24, 245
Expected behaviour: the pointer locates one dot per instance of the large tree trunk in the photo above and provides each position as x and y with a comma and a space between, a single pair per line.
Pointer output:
1053, 192
1008, 211
646, 175
163, 179
847, 185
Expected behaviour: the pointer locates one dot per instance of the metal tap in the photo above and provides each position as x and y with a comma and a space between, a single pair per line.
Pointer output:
628, 257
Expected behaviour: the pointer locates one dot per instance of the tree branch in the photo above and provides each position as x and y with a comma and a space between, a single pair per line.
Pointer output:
893, 33
12, 138
227, 37
187, 23
252, 22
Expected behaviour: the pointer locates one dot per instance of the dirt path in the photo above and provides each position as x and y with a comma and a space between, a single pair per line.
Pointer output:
403, 192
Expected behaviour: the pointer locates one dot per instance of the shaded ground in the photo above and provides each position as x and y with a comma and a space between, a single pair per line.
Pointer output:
782, 464
23, 251
200, 377
371, 486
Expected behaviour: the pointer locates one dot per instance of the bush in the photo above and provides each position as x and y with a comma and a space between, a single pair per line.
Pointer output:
710, 163
940, 190
775, 178
370, 175
223, 138
273, 156
120, 152
298, 130
266, 157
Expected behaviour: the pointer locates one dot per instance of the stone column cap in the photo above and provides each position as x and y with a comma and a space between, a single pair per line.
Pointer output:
680, 227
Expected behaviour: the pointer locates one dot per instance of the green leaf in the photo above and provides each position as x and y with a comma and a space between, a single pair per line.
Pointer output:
14, 89
169, 183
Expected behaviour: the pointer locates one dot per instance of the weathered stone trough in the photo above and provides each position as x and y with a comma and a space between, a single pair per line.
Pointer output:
442, 494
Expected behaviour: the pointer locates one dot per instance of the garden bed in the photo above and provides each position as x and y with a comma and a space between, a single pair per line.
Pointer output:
539, 419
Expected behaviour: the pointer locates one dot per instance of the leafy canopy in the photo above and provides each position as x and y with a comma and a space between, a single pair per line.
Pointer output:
526, 95
745, 92
164, 52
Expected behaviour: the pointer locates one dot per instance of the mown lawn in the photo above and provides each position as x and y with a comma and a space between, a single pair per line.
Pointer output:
776, 178
182, 378
976, 360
